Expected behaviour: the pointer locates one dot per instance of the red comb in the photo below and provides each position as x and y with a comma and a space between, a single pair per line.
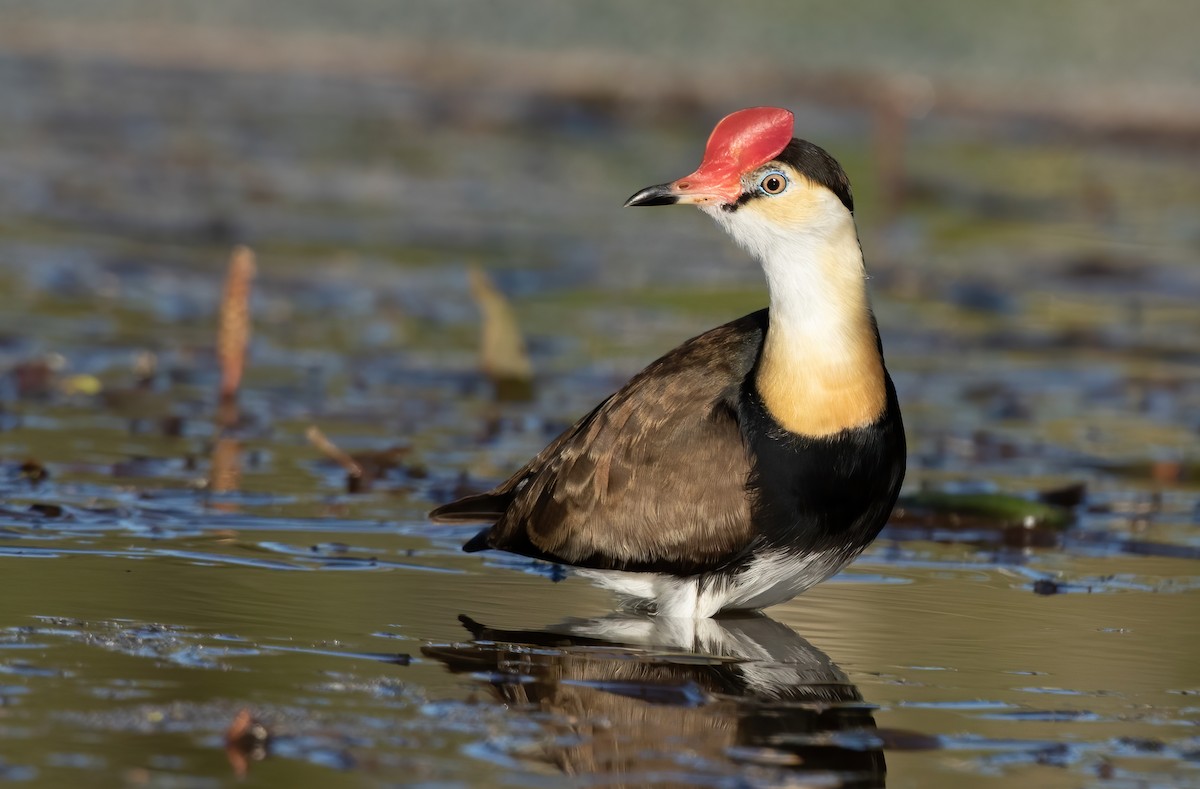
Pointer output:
744, 140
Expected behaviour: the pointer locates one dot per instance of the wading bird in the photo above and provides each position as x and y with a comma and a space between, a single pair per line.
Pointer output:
754, 460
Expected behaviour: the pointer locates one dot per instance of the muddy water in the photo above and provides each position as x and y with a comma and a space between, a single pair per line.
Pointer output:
157, 577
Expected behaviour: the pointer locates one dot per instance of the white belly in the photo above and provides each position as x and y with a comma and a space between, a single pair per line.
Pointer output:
768, 580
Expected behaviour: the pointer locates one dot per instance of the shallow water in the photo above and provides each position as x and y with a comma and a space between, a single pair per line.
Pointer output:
1040, 324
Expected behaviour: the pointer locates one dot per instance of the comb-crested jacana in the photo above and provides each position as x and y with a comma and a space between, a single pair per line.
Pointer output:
754, 460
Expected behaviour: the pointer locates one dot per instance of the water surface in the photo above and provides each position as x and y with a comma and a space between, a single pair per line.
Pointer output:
159, 575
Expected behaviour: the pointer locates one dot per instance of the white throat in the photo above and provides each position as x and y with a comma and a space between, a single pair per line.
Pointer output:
814, 269
820, 371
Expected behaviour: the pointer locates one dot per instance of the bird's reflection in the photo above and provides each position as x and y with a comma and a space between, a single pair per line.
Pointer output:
641, 701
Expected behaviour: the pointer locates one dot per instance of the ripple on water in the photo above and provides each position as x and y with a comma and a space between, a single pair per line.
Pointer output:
177, 559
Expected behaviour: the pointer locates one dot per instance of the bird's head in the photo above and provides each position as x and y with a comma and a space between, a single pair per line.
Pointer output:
760, 183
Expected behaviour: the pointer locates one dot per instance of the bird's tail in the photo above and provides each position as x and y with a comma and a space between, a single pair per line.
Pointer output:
481, 507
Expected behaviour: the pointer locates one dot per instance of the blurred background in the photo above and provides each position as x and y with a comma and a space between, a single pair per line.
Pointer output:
1027, 183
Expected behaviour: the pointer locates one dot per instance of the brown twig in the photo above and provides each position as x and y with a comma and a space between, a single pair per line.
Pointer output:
233, 331
225, 475
333, 451
502, 347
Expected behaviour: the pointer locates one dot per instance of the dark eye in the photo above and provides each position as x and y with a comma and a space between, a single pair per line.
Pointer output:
773, 183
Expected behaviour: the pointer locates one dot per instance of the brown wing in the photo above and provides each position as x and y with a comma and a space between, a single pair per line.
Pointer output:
653, 478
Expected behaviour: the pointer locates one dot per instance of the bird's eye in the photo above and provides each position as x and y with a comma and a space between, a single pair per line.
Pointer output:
773, 183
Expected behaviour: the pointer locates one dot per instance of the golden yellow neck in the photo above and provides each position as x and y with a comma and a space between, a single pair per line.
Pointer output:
820, 391
820, 371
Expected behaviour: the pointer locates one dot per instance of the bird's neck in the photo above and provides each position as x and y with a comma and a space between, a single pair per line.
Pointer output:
820, 371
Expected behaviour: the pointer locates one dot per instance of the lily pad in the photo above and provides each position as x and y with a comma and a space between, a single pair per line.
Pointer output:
998, 510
